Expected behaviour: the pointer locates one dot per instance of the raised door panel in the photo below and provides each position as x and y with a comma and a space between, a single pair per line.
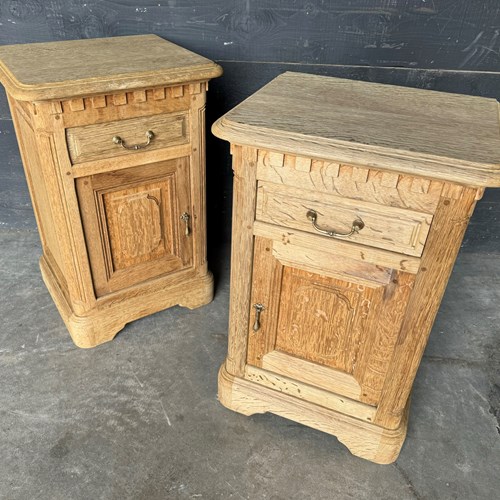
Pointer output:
322, 330
133, 223
136, 223
322, 319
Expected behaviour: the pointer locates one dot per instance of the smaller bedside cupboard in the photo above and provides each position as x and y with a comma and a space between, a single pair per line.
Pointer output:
111, 133
350, 203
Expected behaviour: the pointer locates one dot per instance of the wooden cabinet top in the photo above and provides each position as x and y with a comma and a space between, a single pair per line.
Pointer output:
427, 133
57, 70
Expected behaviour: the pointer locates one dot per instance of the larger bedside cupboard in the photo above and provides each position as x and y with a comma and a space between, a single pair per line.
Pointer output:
350, 203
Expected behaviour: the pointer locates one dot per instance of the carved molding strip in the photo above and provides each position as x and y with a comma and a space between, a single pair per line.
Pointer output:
349, 180
123, 98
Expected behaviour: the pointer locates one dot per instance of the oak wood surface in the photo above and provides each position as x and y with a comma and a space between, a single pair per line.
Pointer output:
314, 374
398, 230
92, 142
363, 439
273, 379
327, 263
342, 317
431, 134
450, 222
109, 107
354, 182
75, 68
282, 236
330, 322
132, 223
115, 247
109, 315
245, 165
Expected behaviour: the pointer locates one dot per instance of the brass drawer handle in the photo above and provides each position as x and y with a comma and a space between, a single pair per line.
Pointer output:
185, 217
118, 140
258, 309
357, 225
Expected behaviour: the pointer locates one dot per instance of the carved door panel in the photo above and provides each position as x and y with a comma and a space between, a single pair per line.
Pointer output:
133, 223
320, 327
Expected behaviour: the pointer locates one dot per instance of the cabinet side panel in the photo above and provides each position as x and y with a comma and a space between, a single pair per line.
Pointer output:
37, 187
450, 222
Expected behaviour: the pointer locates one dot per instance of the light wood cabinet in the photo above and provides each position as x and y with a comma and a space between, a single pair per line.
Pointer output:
350, 203
111, 133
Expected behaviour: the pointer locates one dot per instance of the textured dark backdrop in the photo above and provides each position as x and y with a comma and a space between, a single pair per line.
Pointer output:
450, 45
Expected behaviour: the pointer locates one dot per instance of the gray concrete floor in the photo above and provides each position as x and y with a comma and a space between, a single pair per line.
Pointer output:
138, 418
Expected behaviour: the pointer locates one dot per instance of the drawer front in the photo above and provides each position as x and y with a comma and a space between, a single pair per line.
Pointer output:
399, 230
125, 137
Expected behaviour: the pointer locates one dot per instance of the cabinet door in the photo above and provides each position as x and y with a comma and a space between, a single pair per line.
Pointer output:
133, 223
327, 322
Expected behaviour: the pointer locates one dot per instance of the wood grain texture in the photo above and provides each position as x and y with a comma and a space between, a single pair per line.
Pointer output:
326, 398
450, 222
60, 217
132, 223
240, 79
430, 134
362, 438
114, 245
198, 177
322, 324
373, 186
328, 320
36, 182
93, 142
374, 359
109, 316
267, 275
328, 264
141, 157
334, 381
341, 249
323, 319
245, 165
401, 231
56, 70
107, 111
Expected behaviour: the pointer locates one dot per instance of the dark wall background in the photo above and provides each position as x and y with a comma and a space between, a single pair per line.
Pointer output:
449, 45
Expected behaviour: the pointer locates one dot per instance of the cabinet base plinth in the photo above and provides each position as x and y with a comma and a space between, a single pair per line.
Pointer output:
102, 323
363, 439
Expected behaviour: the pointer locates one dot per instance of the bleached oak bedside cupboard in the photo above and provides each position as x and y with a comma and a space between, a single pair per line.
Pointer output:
111, 133
350, 203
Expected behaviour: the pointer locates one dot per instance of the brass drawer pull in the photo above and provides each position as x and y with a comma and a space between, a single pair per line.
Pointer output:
258, 309
357, 225
185, 217
118, 140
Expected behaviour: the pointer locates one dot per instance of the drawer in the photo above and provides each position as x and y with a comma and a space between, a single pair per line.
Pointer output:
125, 137
396, 229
